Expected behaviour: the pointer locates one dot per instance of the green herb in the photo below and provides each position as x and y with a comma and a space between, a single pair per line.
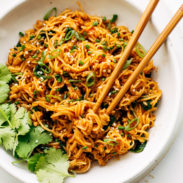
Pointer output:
5, 74
132, 31
14, 55
114, 18
115, 61
146, 105
128, 127
48, 14
39, 37
34, 56
103, 55
66, 74
140, 50
97, 40
46, 45
90, 80
104, 19
21, 34
65, 96
17, 102
69, 35
85, 147
62, 41
121, 39
30, 141
104, 43
87, 47
31, 37
56, 43
95, 23
58, 78
35, 93
81, 62
114, 30
138, 147
55, 54
103, 79
125, 44
74, 81
73, 48
53, 167
89, 52
79, 37
127, 63
22, 47
113, 92
105, 48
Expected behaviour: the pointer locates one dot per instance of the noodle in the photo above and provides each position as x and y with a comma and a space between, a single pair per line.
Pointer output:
60, 68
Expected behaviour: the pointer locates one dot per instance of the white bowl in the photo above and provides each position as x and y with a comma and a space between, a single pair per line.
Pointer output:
131, 167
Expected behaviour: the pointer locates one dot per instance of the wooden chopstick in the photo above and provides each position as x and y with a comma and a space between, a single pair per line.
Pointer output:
156, 45
139, 28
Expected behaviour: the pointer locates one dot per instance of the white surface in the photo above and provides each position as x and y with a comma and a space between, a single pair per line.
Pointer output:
166, 167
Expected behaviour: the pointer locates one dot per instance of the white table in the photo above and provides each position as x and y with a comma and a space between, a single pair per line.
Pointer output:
170, 168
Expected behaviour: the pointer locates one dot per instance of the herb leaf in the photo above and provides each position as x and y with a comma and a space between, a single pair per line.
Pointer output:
30, 141
5, 74
138, 147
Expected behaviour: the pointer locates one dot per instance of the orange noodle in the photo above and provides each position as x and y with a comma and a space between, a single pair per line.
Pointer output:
60, 68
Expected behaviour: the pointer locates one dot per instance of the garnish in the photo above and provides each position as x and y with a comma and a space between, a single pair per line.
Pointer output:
128, 127
90, 80
48, 14
140, 50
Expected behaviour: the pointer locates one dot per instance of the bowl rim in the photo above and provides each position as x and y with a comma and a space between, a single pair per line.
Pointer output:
171, 137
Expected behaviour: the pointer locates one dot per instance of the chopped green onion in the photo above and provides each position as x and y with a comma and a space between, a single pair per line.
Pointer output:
47, 70
46, 45
22, 47
132, 31
103, 55
89, 52
65, 96
73, 48
74, 81
56, 43
55, 53
85, 147
35, 93
121, 39
54, 96
14, 55
17, 102
95, 23
104, 19
90, 80
103, 79
114, 30
104, 43
125, 44
128, 62
128, 128
113, 92
34, 56
21, 34
146, 105
97, 40
109, 140
84, 33
87, 47
115, 61
31, 37
140, 50
81, 62
66, 74
39, 37
62, 41
69, 35
48, 14
114, 18
58, 78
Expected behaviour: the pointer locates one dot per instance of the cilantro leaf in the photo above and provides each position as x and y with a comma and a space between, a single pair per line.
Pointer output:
4, 113
4, 90
7, 137
54, 168
33, 160
5, 74
21, 121
31, 140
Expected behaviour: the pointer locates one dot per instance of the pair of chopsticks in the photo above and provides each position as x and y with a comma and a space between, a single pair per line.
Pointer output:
156, 45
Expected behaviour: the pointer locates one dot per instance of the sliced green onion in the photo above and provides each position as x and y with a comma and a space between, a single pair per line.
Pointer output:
31, 37
140, 50
81, 62
56, 43
21, 34
97, 40
113, 92
103, 55
74, 81
115, 61
90, 80
48, 14
62, 41
132, 31
66, 74
84, 33
58, 78
47, 70
69, 35
127, 63
95, 23
128, 128
121, 39
85, 147
89, 52
87, 47
125, 44
103, 79
55, 53
14, 55
104, 19
54, 96
114, 18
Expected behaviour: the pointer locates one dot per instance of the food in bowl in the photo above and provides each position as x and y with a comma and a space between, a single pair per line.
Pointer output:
53, 78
